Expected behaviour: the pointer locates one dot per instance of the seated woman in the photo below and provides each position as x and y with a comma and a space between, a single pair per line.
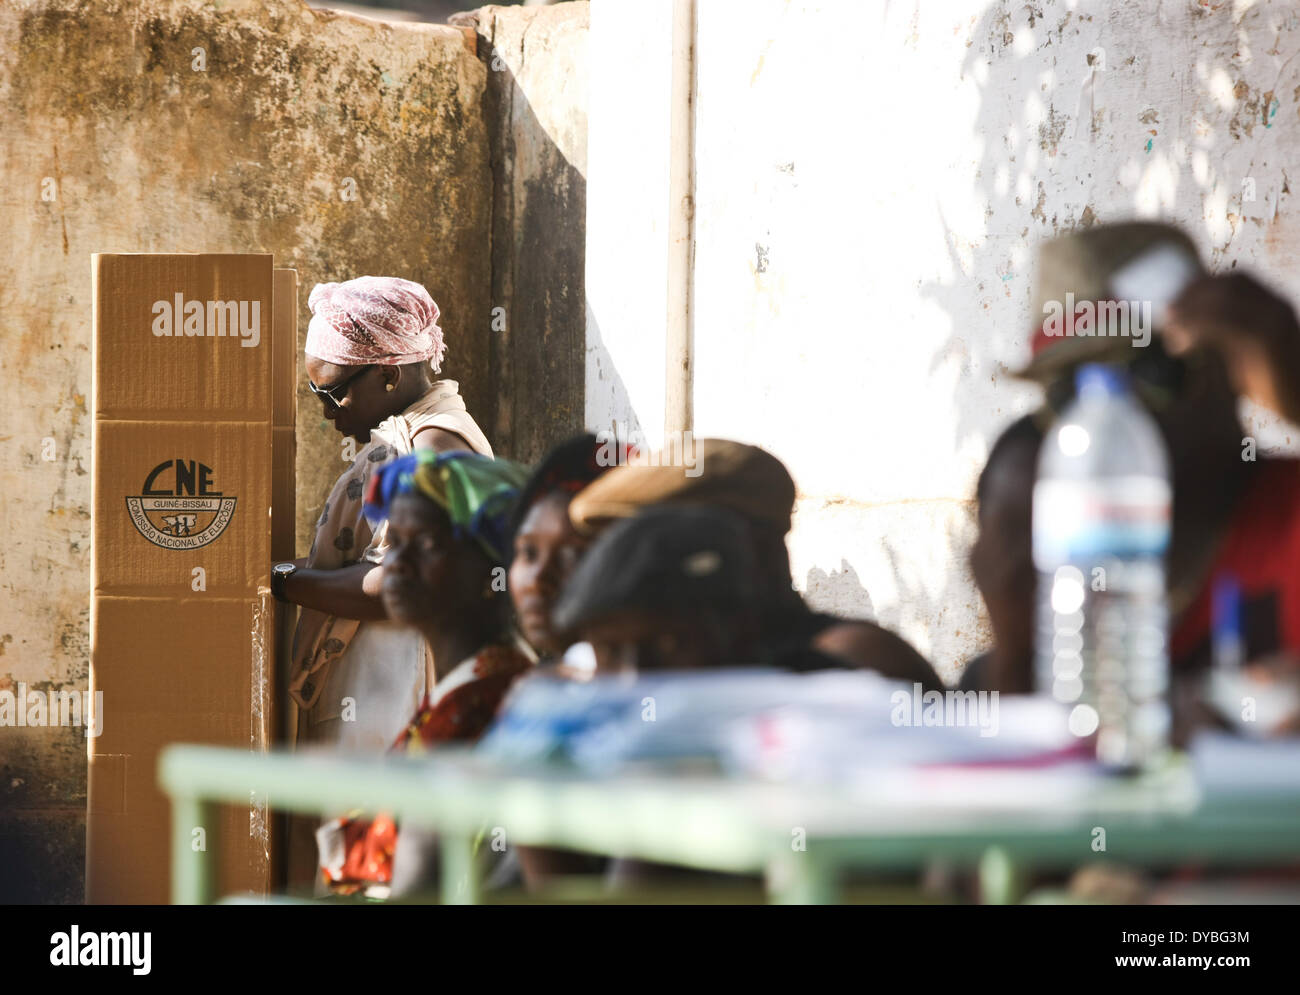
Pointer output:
444, 576
547, 548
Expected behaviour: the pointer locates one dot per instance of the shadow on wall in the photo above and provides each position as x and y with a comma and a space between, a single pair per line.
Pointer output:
1084, 118
1084, 121
841, 587
843, 593
539, 204
609, 391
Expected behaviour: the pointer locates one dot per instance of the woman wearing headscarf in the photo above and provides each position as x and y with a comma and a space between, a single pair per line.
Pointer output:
444, 575
373, 347
447, 517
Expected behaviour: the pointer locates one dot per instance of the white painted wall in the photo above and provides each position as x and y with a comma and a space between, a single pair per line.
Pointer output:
628, 121
871, 180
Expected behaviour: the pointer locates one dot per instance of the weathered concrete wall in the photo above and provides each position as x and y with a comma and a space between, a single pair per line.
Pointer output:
870, 182
343, 146
536, 109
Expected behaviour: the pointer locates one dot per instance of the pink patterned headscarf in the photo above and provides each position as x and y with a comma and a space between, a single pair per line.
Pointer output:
374, 319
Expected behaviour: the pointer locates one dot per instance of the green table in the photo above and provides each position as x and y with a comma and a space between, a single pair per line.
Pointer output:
800, 839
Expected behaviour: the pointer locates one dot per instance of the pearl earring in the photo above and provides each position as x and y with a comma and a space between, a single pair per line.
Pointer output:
390, 387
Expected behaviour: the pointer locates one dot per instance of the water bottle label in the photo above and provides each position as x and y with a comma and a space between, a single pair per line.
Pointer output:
1082, 520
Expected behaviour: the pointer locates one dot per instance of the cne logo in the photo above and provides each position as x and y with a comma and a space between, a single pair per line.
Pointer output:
179, 509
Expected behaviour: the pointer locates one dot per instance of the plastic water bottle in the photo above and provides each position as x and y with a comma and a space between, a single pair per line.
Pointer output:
1101, 523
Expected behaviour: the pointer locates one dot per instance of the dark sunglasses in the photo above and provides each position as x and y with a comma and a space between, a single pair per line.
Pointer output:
337, 393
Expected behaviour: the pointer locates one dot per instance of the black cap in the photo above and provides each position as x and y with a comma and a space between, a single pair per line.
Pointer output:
676, 561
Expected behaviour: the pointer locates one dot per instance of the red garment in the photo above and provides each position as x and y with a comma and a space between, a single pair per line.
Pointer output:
1262, 551
464, 704
470, 697
369, 848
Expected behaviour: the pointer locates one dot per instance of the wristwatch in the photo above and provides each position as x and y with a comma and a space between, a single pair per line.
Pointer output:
279, 574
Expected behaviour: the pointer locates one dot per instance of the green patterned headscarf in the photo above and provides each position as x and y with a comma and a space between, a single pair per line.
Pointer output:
477, 492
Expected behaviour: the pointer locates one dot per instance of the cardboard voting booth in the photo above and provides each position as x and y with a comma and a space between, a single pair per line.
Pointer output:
195, 360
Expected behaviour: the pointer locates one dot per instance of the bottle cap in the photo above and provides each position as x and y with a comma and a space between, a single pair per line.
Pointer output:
1101, 380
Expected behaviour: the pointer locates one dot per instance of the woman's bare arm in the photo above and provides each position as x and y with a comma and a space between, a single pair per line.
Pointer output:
353, 592
349, 592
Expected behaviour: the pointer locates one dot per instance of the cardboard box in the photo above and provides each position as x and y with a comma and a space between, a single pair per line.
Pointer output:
194, 402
